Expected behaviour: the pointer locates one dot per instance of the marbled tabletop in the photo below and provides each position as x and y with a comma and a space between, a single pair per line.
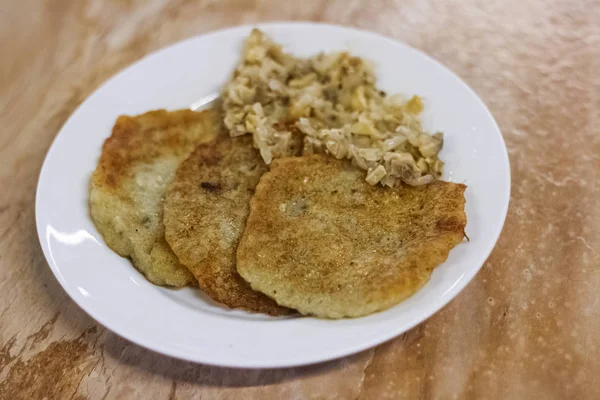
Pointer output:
527, 327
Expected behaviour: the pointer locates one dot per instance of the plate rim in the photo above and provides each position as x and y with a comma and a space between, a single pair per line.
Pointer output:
243, 364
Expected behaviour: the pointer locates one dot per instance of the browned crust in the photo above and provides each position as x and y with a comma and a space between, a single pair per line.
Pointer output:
144, 137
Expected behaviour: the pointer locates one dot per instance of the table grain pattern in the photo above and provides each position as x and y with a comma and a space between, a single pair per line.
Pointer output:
527, 327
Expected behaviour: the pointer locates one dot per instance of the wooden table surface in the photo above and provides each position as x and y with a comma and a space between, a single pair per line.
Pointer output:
527, 327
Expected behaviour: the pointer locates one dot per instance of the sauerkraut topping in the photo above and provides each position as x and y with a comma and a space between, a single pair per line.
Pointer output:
331, 101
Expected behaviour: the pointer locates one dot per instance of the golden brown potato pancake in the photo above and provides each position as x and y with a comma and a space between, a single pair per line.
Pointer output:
205, 214
137, 164
323, 241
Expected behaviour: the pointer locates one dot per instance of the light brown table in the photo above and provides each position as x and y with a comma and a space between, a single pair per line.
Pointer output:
527, 327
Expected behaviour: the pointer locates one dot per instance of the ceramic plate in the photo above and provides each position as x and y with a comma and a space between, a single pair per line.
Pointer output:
184, 323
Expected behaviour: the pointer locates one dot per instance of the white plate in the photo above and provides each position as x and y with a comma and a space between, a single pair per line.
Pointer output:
183, 323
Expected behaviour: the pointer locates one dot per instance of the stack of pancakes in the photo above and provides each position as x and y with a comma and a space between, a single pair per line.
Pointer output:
191, 205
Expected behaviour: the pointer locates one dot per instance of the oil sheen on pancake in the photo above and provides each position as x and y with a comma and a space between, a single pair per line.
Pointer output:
205, 213
323, 241
137, 164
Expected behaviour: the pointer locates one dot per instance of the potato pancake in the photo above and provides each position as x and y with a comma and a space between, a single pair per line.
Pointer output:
137, 164
205, 213
321, 240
